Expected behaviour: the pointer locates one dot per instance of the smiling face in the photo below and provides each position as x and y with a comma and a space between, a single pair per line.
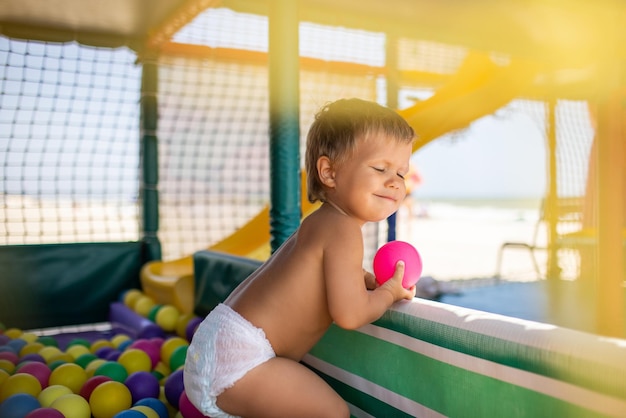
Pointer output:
369, 184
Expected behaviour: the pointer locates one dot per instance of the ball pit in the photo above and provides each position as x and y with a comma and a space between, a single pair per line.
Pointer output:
134, 369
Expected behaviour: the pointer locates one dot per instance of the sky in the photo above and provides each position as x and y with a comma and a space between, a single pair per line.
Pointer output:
496, 157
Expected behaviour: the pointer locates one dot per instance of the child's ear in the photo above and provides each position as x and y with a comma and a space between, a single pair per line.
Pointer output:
325, 171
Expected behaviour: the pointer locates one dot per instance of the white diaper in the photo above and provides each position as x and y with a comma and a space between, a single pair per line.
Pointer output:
224, 348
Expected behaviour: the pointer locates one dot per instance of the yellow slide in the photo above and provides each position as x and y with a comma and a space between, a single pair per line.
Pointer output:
479, 88
171, 282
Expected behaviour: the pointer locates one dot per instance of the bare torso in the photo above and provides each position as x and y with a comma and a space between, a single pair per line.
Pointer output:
287, 296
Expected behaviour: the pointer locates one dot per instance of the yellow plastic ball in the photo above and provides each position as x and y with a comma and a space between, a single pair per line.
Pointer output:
72, 406
98, 344
48, 352
131, 296
162, 368
77, 350
167, 317
143, 305
168, 347
181, 324
7, 365
4, 375
109, 398
69, 374
119, 339
20, 383
51, 393
31, 348
29, 337
13, 333
93, 366
135, 360
64, 357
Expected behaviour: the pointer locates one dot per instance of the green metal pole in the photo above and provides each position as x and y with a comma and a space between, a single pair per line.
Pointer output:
284, 84
150, 160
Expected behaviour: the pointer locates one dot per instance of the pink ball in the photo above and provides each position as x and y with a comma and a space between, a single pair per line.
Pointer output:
40, 370
389, 254
187, 409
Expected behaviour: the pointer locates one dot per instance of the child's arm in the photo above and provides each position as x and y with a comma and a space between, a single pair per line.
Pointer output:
370, 280
350, 304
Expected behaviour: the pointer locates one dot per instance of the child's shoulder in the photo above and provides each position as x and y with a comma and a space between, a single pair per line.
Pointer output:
329, 222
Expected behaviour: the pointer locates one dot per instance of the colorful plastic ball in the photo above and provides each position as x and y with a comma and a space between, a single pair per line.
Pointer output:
20, 383
69, 374
48, 341
77, 350
143, 385
169, 346
51, 393
40, 370
173, 387
98, 344
388, 255
130, 296
181, 323
143, 305
29, 348
124, 345
192, 325
4, 375
79, 341
118, 339
147, 411
45, 413
13, 333
177, 359
18, 405
91, 384
32, 357
135, 360
9, 356
187, 409
166, 317
102, 352
113, 355
72, 406
62, 357
7, 366
109, 398
84, 360
49, 351
162, 368
153, 311
156, 405
114, 370
93, 366
152, 349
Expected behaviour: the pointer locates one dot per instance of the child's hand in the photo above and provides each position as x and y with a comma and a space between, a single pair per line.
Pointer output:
394, 284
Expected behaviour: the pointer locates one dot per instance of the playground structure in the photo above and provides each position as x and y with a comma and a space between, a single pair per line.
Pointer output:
106, 125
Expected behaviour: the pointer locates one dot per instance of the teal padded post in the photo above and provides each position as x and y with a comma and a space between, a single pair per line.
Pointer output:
285, 211
150, 159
